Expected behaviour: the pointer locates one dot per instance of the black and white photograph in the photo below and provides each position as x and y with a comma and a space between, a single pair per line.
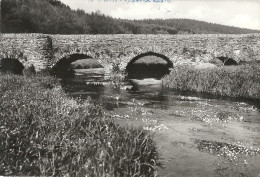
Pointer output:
130, 88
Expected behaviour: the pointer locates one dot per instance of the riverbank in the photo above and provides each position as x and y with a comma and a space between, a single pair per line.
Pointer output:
233, 81
45, 133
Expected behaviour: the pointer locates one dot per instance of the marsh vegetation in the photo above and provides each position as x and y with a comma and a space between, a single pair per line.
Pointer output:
45, 133
233, 81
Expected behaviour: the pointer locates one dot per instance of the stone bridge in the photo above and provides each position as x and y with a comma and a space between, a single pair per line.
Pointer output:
44, 51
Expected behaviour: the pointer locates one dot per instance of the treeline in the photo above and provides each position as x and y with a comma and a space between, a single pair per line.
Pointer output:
54, 17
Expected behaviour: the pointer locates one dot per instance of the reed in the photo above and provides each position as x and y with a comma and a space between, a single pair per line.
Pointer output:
45, 133
234, 81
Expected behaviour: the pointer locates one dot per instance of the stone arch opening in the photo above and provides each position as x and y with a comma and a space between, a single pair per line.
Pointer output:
149, 65
10, 65
227, 61
68, 65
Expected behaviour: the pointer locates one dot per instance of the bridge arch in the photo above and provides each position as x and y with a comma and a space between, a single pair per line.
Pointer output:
149, 65
11, 65
63, 65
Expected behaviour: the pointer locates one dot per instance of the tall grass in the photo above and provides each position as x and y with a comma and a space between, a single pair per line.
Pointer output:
233, 81
45, 133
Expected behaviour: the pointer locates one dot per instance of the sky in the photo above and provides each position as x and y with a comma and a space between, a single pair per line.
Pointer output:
239, 13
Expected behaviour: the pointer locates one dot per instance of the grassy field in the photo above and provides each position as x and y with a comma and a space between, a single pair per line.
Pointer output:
234, 81
45, 133
151, 59
86, 64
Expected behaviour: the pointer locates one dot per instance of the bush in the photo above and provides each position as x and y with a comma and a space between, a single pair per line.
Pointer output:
43, 132
234, 81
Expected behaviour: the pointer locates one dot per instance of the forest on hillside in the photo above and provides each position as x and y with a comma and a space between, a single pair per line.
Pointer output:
29, 16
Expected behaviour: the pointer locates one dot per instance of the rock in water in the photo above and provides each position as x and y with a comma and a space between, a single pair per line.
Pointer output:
148, 83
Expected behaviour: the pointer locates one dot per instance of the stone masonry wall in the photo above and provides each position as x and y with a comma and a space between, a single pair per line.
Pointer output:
27, 48
45, 50
178, 48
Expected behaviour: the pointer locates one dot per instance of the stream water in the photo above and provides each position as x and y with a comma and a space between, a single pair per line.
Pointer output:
196, 135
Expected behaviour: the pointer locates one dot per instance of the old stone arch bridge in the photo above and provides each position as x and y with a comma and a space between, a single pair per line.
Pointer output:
44, 51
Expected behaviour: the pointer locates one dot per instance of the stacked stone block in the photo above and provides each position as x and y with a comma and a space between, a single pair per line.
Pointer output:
45, 51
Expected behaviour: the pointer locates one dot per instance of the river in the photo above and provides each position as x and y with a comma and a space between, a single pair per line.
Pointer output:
196, 135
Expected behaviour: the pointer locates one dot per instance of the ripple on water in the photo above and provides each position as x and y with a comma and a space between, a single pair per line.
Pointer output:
234, 159
243, 107
189, 98
225, 149
160, 127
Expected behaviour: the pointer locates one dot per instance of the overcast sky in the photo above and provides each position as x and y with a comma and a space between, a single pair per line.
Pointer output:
240, 13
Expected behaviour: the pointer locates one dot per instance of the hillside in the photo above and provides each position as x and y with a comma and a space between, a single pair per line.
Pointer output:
29, 16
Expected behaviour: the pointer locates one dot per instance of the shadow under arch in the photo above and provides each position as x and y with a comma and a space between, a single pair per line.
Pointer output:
63, 67
227, 61
156, 66
10, 65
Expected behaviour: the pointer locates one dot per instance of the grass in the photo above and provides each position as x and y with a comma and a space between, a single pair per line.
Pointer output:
45, 133
234, 81
86, 64
150, 59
